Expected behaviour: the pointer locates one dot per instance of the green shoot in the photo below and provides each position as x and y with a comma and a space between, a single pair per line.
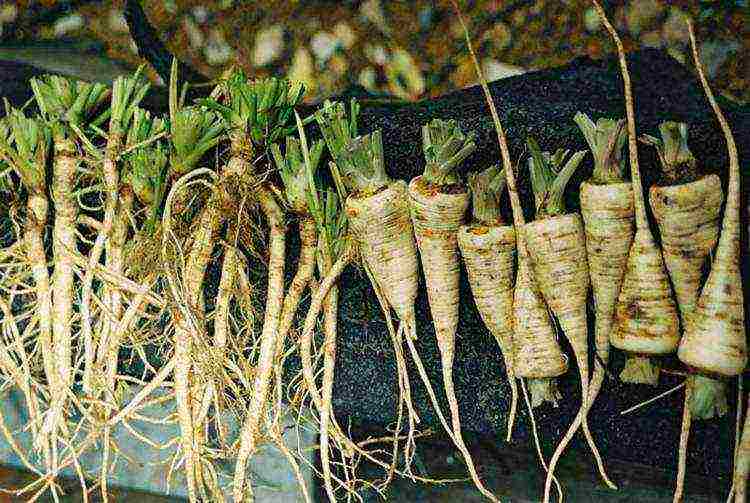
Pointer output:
259, 109
64, 101
127, 93
146, 158
194, 131
144, 129
338, 129
146, 174
295, 172
550, 174
674, 153
445, 147
24, 145
362, 165
486, 188
606, 139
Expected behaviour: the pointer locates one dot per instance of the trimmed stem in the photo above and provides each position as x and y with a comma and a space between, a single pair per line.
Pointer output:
641, 369
542, 390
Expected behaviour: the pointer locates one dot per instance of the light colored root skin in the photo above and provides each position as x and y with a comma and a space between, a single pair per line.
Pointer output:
715, 340
383, 228
63, 248
640, 369
646, 318
543, 390
329, 363
608, 217
250, 430
537, 352
558, 256
37, 207
488, 256
688, 220
305, 270
436, 218
182, 371
316, 304
682, 449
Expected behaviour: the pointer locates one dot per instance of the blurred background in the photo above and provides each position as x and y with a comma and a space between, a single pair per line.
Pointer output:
410, 49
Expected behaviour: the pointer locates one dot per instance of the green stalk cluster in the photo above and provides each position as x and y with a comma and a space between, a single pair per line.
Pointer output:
486, 187
127, 94
550, 174
296, 167
445, 146
66, 102
338, 129
260, 110
362, 165
194, 131
606, 139
678, 163
24, 145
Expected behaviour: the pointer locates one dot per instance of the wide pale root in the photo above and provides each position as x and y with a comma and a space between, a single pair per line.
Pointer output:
383, 228
646, 315
714, 341
488, 256
608, 217
688, 220
437, 218
537, 352
558, 258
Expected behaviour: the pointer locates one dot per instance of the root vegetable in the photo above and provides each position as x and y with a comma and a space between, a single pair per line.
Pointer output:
28, 155
557, 251
646, 320
607, 211
296, 172
488, 250
274, 300
531, 321
714, 342
65, 105
378, 215
438, 204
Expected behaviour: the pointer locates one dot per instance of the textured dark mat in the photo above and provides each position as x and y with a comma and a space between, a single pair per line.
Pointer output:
543, 104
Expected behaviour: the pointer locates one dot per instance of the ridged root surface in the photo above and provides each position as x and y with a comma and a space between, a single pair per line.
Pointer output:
537, 352
383, 228
688, 220
488, 256
646, 319
714, 341
558, 258
608, 217
437, 217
